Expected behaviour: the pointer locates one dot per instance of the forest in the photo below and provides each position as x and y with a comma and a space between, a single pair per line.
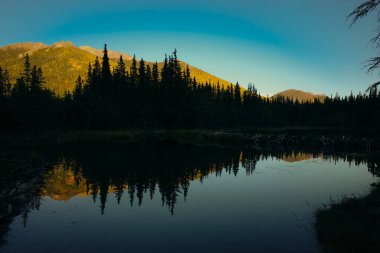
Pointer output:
145, 97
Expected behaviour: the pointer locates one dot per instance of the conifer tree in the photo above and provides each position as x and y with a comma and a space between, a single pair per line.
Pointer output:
96, 73
78, 90
88, 83
133, 72
148, 75
36, 79
165, 73
237, 95
155, 75
176, 65
142, 74
187, 76
106, 68
194, 84
96, 76
120, 73
27, 71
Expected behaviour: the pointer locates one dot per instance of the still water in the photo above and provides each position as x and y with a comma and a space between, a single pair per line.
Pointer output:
182, 200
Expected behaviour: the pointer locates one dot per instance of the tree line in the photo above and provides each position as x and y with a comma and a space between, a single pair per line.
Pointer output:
148, 97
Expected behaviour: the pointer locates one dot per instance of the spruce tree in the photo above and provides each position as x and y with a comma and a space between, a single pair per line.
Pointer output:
96, 76
148, 76
155, 74
195, 84
78, 90
106, 69
237, 95
27, 71
142, 74
133, 72
36, 79
165, 72
120, 70
96, 73
88, 83
176, 65
187, 76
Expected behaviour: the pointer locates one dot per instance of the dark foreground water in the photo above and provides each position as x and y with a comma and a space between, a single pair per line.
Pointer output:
180, 200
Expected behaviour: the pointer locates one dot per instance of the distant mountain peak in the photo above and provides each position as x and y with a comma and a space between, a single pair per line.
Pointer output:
24, 48
300, 95
23, 45
62, 44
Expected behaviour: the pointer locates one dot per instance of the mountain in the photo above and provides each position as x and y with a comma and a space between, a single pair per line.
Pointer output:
63, 62
300, 95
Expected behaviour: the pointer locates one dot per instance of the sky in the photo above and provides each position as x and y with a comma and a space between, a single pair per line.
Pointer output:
274, 44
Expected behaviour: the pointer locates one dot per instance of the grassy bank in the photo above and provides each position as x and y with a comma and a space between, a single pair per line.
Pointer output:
352, 225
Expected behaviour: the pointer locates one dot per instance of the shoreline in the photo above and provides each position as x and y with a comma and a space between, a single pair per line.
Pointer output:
363, 140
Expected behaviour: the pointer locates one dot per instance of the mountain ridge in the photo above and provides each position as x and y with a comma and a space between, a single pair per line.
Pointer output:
62, 62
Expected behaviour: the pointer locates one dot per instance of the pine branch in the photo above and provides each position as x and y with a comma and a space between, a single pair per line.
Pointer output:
363, 10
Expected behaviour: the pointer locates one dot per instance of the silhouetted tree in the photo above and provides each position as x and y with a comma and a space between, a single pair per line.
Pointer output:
106, 68
360, 12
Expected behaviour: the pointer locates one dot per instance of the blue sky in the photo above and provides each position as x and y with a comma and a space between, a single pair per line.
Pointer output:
301, 44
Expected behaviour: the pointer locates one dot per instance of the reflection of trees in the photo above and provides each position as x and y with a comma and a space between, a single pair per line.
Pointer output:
140, 173
371, 161
103, 172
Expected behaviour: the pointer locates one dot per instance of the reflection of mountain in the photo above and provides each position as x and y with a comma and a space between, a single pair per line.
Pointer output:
298, 156
60, 183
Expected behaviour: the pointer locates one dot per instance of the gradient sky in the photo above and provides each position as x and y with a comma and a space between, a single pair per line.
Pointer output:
275, 44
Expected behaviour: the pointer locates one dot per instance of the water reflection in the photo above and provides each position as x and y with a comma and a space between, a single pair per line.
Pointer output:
139, 173
109, 172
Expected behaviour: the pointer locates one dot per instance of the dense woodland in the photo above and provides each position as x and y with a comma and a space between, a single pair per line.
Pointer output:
145, 97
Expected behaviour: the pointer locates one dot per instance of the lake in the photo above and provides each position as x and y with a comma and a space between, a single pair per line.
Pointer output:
115, 199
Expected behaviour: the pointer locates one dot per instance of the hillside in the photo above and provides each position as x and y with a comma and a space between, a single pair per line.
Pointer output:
63, 62
299, 95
